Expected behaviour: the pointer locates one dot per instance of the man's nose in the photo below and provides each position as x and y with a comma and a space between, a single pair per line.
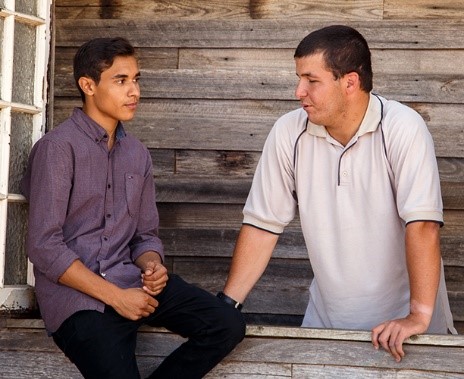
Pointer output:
300, 90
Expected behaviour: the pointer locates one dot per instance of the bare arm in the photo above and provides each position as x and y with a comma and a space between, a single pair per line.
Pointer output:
131, 303
423, 259
252, 253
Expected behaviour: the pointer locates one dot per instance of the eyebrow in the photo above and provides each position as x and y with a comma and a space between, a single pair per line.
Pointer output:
123, 76
305, 75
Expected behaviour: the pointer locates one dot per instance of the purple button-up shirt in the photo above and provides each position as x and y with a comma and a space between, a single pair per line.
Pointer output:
89, 203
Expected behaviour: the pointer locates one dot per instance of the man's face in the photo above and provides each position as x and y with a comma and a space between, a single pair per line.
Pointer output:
116, 96
321, 95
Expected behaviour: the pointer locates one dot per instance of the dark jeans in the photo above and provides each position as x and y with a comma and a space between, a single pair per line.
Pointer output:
102, 345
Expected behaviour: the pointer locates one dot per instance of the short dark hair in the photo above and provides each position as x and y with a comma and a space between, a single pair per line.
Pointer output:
97, 55
344, 49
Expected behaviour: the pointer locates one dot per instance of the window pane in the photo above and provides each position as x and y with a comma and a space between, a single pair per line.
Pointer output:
24, 63
20, 145
27, 6
15, 257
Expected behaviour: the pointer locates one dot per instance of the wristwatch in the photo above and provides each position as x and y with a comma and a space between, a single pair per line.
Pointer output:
226, 299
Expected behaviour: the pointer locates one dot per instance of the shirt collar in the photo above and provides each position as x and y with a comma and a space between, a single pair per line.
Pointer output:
369, 123
92, 128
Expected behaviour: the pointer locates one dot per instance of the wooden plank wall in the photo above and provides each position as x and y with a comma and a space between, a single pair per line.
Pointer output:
215, 77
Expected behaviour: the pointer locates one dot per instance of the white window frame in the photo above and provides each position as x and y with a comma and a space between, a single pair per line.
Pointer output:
20, 297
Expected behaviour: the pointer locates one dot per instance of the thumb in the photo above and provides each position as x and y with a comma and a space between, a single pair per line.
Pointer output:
150, 268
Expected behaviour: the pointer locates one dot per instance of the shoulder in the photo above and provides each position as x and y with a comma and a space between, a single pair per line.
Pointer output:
401, 118
292, 122
402, 124
62, 137
289, 126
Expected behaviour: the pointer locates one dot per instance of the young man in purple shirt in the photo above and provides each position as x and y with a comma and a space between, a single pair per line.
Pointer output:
93, 236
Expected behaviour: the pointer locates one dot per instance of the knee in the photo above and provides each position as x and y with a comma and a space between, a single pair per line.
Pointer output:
234, 327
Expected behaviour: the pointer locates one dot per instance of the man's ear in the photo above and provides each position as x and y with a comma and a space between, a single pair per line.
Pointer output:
352, 81
87, 85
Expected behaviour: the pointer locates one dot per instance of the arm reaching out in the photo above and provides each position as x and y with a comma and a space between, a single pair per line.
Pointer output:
252, 253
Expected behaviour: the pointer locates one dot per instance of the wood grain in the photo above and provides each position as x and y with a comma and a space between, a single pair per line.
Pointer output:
413, 34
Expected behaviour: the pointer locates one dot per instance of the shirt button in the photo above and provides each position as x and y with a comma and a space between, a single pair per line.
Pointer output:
109, 185
103, 274
108, 215
105, 238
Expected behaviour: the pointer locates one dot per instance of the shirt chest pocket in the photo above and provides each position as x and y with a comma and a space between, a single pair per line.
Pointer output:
134, 188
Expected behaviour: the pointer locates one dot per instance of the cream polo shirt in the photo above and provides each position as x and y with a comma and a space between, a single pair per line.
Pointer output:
354, 204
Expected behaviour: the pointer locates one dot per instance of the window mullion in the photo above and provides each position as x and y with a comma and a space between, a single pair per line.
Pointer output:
7, 50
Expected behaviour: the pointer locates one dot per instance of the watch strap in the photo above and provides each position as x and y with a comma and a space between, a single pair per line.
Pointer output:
226, 299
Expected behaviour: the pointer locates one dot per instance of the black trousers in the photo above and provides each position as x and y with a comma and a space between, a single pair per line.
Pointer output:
102, 345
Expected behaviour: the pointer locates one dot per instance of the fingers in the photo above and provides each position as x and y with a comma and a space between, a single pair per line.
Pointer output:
154, 278
390, 335
135, 304
154, 271
153, 291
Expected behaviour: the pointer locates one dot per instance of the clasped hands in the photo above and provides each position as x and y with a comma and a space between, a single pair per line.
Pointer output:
154, 278
135, 303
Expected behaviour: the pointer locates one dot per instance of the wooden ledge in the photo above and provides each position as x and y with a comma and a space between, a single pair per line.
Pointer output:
289, 332
266, 352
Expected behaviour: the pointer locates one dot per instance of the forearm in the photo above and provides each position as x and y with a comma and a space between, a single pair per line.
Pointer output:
150, 256
423, 262
79, 277
252, 253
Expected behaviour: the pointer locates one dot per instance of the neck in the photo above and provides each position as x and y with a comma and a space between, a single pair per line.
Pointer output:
349, 121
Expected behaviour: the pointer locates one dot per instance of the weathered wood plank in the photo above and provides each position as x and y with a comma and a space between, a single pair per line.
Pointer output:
275, 293
200, 190
412, 34
235, 191
241, 84
349, 10
331, 371
239, 370
155, 10
423, 9
266, 352
211, 242
353, 354
235, 9
200, 215
453, 194
229, 216
444, 62
243, 125
148, 58
348, 335
43, 365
